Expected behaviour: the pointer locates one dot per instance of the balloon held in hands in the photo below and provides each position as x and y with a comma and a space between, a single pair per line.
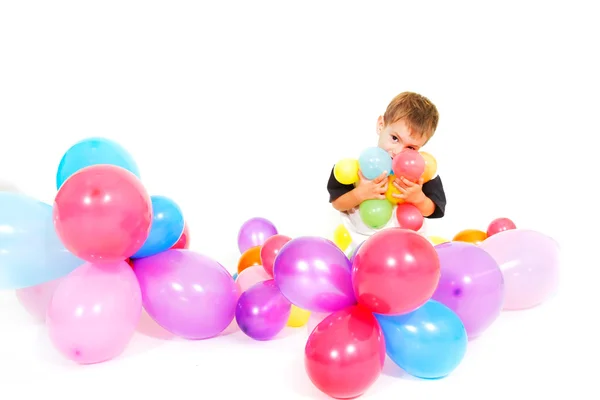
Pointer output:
409, 164
374, 161
346, 171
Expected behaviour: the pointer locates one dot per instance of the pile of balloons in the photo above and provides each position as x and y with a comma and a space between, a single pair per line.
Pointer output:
372, 163
102, 252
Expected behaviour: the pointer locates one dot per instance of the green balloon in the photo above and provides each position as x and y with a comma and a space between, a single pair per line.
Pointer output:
376, 213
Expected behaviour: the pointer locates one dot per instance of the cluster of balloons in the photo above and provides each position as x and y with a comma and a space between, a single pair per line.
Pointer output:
262, 311
374, 161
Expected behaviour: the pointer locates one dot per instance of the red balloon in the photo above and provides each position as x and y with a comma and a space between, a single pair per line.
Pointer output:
344, 354
270, 249
500, 225
409, 217
102, 213
409, 164
184, 239
395, 271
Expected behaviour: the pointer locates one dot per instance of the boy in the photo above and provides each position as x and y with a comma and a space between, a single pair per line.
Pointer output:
409, 121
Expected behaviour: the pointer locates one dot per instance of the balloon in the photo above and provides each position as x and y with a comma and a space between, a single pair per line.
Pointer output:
314, 274
31, 252
270, 249
251, 276
435, 240
471, 285
187, 293
184, 240
262, 311
166, 228
36, 299
391, 190
235, 276
374, 161
427, 343
298, 317
500, 225
409, 164
409, 217
474, 236
395, 271
94, 312
354, 253
376, 213
430, 166
249, 258
346, 171
345, 353
255, 232
103, 213
530, 263
341, 237
94, 151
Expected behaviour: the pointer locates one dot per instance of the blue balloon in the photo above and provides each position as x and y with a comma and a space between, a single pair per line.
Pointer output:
427, 343
94, 151
31, 253
235, 276
167, 227
373, 161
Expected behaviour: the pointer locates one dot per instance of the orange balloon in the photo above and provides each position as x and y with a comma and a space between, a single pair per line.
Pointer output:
474, 236
430, 166
392, 190
249, 258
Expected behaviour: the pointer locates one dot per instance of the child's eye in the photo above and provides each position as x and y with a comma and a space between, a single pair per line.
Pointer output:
394, 138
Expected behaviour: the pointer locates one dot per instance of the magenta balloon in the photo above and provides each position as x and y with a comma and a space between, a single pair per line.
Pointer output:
255, 232
530, 263
262, 311
187, 293
314, 274
471, 285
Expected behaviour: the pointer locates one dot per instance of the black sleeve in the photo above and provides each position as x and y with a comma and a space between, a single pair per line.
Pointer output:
435, 191
335, 188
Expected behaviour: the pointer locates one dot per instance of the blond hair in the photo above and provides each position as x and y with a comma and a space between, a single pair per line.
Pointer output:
419, 113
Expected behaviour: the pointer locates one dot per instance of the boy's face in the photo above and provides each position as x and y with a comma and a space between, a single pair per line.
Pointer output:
396, 137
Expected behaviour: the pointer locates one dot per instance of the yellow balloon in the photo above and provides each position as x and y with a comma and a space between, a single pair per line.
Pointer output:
298, 317
346, 171
391, 189
438, 240
341, 237
430, 166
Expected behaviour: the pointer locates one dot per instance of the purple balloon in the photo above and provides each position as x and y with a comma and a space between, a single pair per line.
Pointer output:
314, 274
471, 285
255, 232
188, 294
262, 311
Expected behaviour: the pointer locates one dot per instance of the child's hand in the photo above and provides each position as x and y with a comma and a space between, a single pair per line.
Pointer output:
375, 189
410, 192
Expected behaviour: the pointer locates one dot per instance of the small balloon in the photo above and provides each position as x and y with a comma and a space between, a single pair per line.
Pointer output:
184, 240
430, 166
270, 249
409, 164
249, 258
298, 317
392, 190
409, 217
427, 343
374, 161
251, 276
166, 228
346, 171
341, 237
500, 225
254, 232
376, 213
474, 236
435, 240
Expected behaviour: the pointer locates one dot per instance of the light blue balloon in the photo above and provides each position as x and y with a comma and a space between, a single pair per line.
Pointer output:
373, 161
94, 151
166, 229
31, 252
428, 343
235, 276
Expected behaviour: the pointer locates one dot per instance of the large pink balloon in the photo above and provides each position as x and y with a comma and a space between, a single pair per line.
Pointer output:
530, 263
94, 312
36, 299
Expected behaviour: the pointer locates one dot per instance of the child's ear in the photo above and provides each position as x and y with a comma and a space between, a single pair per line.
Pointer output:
379, 126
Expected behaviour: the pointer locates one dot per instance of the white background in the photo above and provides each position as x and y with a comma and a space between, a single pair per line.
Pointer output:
238, 110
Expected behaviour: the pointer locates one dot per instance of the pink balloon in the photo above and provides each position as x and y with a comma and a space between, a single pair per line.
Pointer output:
409, 164
500, 225
530, 263
94, 312
251, 276
36, 299
270, 249
409, 217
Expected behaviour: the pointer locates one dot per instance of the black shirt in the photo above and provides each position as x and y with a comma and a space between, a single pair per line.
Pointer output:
432, 189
